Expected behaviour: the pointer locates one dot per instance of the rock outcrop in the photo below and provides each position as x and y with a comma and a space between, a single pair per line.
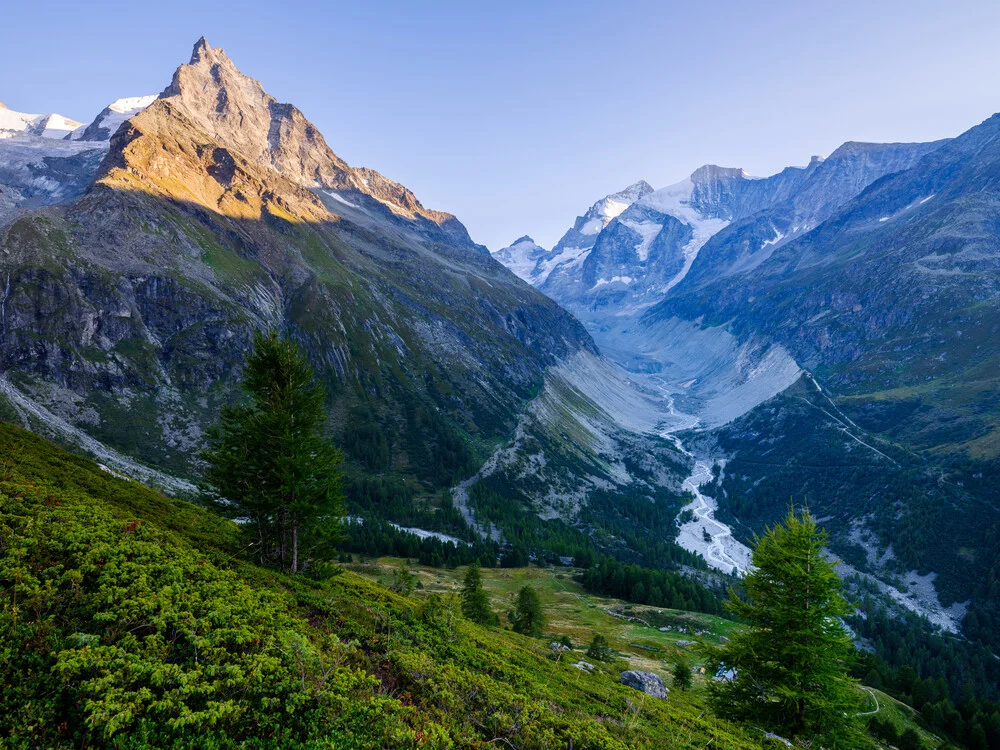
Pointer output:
649, 683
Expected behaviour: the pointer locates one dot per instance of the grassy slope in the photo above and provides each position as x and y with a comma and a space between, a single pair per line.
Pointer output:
129, 619
633, 631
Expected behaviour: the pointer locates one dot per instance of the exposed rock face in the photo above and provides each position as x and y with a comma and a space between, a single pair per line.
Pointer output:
236, 112
649, 683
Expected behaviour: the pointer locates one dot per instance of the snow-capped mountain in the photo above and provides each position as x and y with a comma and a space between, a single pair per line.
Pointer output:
14, 124
583, 234
522, 257
633, 247
111, 118
621, 254
50, 159
534, 264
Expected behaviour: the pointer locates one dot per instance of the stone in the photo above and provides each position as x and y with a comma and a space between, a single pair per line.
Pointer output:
647, 682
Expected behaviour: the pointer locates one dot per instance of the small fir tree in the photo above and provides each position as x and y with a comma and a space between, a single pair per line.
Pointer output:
475, 600
403, 580
268, 460
527, 617
790, 663
599, 649
682, 674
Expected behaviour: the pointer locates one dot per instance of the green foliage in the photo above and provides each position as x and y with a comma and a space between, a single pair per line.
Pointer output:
113, 631
599, 649
270, 462
681, 673
368, 443
475, 600
403, 580
791, 661
658, 588
129, 620
527, 617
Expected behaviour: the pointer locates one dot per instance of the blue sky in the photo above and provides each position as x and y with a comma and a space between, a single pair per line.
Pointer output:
516, 116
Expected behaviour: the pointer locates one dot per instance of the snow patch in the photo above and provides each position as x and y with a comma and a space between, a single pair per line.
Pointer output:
778, 237
675, 200
613, 280
648, 230
340, 199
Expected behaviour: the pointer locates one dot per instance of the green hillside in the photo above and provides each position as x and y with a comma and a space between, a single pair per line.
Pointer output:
130, 620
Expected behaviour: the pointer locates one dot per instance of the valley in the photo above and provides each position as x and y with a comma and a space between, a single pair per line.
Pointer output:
613, 422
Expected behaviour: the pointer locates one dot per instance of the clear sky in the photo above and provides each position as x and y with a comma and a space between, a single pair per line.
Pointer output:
516, 116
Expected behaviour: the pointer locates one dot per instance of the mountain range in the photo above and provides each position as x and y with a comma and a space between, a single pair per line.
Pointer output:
139, 253
721, 332
831, 330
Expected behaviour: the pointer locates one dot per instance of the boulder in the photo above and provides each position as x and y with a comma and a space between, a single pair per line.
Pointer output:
647, 682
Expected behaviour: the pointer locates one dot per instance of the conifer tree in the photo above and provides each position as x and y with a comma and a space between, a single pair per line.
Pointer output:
682, 674
791, 660
599, 649
475, 600
527, 617
268, 460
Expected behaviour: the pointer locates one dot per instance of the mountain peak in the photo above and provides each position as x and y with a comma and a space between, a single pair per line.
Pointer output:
632, 193
713, 172
236, 111
211, 96
523, 239
200, 51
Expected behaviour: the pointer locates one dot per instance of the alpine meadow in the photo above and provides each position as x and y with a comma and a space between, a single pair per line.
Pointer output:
289, 459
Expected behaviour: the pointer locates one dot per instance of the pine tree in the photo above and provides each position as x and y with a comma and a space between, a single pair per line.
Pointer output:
791, 660
475, 600
269, 462
527, 617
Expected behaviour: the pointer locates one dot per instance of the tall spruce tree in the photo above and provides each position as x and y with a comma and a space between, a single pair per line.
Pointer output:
475, 600
269, 461
791, 660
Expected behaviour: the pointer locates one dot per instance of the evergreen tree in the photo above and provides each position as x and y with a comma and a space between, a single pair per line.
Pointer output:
527, 617
682, 674
791, 661
268, 460
403, 580
599, 649
475, 600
